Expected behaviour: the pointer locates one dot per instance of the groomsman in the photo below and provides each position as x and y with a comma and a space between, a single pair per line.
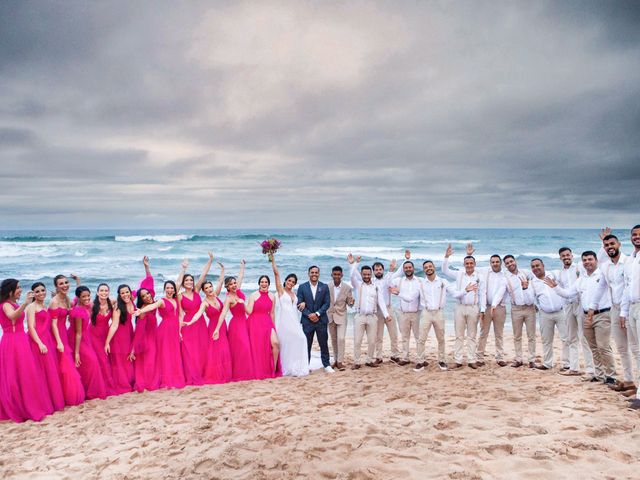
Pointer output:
630, 308
495, 312
551, 314
369, 302
595, 302
408, 290
434, 292
470, 308
523, 311
340, 298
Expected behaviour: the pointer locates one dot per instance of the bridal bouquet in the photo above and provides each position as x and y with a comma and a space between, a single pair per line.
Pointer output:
270, 246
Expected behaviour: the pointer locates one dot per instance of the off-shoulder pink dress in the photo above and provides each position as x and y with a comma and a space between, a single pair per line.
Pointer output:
144, 347
89, 368
98, 334
72, 387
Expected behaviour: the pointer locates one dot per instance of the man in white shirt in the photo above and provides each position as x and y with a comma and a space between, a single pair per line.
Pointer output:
595, 301
368, 303
434, 297
523, 311
340, 298
550, 307
408, 290
573, 339
630, 308
470, 307
613, 267
495, 312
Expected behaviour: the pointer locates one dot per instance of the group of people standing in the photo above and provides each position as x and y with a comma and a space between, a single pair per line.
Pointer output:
80, 349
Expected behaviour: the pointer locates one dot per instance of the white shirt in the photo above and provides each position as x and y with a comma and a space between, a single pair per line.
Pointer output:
566, 278
614, 273
519, 296
409, 293
592, 289
370, 298
462, 280
546, 297
382, 283
496, 285
336, 291
434, 293
314, 289
631, 284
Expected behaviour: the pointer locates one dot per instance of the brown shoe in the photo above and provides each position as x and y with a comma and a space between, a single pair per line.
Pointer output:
622, 386
371, 364
453, 366
395, 359
502, 363
378, 361
480, 364
356, 367
542, 367
629, 393
571, 373
334, 365
402, 363
473, 365
340, 367
517, 364
532, 365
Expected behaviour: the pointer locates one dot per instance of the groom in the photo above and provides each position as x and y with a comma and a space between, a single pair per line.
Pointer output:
316, 299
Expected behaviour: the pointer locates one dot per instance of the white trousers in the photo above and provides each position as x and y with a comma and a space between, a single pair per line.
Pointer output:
466, 323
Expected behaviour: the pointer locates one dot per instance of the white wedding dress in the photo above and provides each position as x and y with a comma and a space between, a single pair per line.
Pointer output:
293, 343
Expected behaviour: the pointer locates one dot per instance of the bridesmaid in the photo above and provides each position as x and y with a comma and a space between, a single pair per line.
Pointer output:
265, 348
169, 358
23, 393
193, 353
119, 341
101, 314
80, 340
42, 346
143, 351
238, 333
59, 309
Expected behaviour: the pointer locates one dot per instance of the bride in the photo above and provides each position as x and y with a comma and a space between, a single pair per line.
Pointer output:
293, 343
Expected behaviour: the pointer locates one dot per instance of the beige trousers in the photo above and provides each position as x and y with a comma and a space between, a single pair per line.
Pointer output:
409, 322
430, 318
633, 330
392, 328
548, 324
524, 315
338, 334
598, 334
626, 343
498, 319
368, 324
466, 322
575, 340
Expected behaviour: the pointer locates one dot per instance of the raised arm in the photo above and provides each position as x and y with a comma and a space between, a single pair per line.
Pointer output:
184, 266
203, 275
276, 276
445, 264
31, 326
220, 280
147, 308
77, 279
241, 274
14, 313
354, 274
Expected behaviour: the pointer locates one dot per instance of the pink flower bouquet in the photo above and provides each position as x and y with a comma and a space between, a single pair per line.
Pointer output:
270, 246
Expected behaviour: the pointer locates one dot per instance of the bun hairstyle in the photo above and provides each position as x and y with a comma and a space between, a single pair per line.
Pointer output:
7, 288
95, 310
81, 289
208, 282
122, 306
264, 276
36, 285
291, 275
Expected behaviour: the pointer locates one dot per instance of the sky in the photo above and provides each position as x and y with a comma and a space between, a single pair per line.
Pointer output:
319, 114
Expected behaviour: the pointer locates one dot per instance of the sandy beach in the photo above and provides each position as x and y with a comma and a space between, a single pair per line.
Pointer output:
389, 422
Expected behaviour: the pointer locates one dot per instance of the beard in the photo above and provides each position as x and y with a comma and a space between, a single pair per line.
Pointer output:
615, 253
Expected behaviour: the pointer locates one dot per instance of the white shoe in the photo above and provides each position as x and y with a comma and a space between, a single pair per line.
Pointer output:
328, 369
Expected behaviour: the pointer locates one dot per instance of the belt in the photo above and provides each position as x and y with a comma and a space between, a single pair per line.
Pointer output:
415, 311
596, 312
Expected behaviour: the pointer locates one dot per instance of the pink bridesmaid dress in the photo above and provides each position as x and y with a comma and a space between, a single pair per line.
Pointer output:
144, 347
98, 335
239, 344
23, 390
169, 357
193, 338
90, 372
121, 368
48, 362
260, 328
72, 387
218, 367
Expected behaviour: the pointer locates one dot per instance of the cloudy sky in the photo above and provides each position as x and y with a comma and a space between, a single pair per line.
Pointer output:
230, 114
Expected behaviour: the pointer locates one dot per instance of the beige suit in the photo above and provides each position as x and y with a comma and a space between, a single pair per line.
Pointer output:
337, 314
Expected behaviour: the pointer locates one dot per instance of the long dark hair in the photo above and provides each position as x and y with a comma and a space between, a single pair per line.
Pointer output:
36, 285
7, 288
291, 275
264, 276
175, 289
185, 277
121, 305
139, 302
95, 310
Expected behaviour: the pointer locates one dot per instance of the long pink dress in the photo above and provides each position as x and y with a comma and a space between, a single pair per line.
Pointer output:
48, 362
121, 368
218, 367
169, 357
238, 335
90, 372
144, 347
98, 335
23, 390
260, 328
193, 338
72, 387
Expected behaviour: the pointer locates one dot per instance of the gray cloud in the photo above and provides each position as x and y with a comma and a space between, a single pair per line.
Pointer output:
385, 114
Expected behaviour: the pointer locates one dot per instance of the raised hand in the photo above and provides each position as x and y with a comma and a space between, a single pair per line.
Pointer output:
604, 232
407, 254
185, 264
145, 261
221, 265
393, 265
76, 278
350, 258
470, 248
448, 252
550, 282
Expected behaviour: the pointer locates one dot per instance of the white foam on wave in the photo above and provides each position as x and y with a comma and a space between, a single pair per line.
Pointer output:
442, 242
381, 252
27, 249
152, 238
165, 249
539, 255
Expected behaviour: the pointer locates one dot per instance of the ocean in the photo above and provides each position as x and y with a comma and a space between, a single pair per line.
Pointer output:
115, 256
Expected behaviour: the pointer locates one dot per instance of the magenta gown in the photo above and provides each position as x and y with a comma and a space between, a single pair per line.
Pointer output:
121, 368
260, 328
90, 372
193, 340
72, 387
48, 362
23, 389
98, 335
144, 347
218, 367
169, 357
239, 344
